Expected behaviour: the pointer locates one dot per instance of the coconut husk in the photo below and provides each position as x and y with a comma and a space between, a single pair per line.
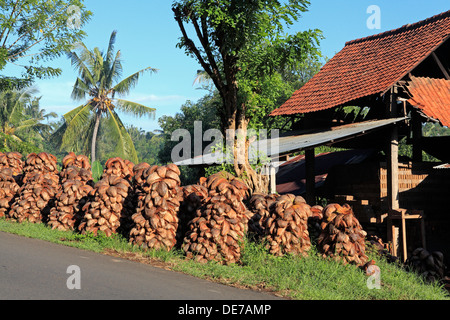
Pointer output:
429, 265
13, 160
158, 196
342, 237
36, 198
259, 210
103, 210
286, 228
73, 160
119, 167
9, 190
217, 231
41, 163
67, 212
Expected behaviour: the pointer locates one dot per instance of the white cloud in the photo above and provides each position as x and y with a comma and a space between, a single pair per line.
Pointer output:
152, 98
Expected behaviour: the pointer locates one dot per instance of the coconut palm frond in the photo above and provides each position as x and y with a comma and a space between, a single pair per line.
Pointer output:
110, 51
115, 71
125, 146
82, 66
75, 124
26, 124
98, 71
135, 108
16, 102
80, 90
124, 86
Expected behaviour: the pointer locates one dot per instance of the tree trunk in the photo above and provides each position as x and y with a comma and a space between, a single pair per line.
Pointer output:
256, 181
94, 137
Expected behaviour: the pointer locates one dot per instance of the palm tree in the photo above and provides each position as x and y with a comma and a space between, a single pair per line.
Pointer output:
14, 113
98, 81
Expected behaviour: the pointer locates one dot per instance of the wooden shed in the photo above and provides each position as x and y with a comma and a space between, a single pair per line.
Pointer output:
394, 74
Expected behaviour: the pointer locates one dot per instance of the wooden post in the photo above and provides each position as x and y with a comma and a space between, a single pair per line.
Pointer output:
416, 125
422, 229
273, 180
310, 176
392, 172
392, 154
405, 249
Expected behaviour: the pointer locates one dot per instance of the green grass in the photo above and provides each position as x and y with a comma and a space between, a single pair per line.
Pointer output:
310, 278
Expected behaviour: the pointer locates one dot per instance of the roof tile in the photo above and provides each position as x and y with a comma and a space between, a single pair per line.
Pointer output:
369, 66
432, 96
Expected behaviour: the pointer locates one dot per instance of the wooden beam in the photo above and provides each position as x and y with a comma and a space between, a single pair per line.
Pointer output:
441, 66
416, 126
392, 156
273, 180
310, 176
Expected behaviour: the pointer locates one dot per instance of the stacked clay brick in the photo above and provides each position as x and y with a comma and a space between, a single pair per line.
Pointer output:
37, 193
342, 237
287, 226
158, 201
76, 184
217, 231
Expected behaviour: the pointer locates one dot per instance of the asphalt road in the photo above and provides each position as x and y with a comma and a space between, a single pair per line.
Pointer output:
37, 270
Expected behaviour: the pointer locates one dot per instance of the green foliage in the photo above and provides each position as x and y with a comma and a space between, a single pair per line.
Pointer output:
431, 129
246, 52
97, 170
147, 145
39, 31
13, 83
100, 81
302, 278
8, 144
205, 111
21, 119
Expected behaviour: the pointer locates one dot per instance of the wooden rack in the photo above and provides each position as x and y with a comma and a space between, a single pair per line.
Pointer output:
403, 215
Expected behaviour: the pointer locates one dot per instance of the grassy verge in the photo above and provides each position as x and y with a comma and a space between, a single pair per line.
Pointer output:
310, 278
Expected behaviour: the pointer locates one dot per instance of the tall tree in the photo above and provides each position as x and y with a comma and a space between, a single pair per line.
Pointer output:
99, 82
241, 45
35, 31
15, 116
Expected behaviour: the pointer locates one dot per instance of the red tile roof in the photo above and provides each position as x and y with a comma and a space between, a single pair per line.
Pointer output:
369, 66
432, 96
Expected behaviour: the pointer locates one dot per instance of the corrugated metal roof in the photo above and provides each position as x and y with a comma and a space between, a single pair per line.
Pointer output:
296, 141
369, 66
443, 166
432, 96
291, 175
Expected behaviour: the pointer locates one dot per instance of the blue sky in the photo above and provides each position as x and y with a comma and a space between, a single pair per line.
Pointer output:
148, 34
